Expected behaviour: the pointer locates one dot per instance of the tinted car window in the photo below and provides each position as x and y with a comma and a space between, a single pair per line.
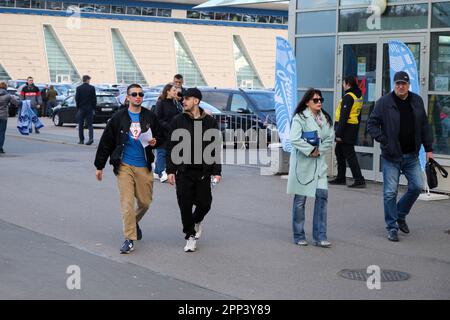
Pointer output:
106, 99
217, 99
238, 102
262, 101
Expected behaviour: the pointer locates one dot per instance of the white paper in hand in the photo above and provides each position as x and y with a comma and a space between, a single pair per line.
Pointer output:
145, 137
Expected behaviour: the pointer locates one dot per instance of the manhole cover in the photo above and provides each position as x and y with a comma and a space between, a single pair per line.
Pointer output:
362, 275
64, 160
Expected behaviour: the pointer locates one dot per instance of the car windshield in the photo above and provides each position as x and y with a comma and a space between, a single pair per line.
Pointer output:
63, 90
106, 99
262, 101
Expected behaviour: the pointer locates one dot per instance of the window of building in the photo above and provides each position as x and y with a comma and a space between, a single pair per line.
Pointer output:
440, 61
440, 15
206, 15
101, 8
4, 76
246, 75
134, 10
235, 17
401, 17
249, 17
127, 70
149, 11
54, 5
307, 22
118, 9
193, 14
67, 5
439, 119
263, 19
186, 64
276, 19
59, 63
38, 4
6, 3
23, 3
87, 7
305, 4
221, 16
164, 13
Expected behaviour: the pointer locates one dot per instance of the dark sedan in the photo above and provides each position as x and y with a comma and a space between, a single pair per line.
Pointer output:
66, 112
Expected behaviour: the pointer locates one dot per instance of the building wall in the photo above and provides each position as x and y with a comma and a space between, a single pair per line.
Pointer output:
22, 48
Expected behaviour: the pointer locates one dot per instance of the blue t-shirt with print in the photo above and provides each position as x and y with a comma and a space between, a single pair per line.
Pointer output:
133, 153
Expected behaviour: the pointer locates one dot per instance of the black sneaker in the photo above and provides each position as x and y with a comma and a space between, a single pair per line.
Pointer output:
89, 142
403, 226
337, 181
127, 246
37, 130
138, 232
393, 236
1, 150
358, 184
81, 142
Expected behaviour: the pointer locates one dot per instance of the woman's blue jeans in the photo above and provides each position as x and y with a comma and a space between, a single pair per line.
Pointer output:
160, 165
319, 218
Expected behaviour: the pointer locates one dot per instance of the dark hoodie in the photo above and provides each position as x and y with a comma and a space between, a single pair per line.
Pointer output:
346, 131
186, 121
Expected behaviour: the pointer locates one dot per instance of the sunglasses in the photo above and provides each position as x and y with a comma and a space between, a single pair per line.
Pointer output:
135, 94
316, 100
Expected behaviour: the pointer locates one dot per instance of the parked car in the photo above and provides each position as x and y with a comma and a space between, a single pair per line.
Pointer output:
65, 112
245, 108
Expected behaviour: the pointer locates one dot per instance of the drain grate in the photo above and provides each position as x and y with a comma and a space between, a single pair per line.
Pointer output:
63, 160
362, 275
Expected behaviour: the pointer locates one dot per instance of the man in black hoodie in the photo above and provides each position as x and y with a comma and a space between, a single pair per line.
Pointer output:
346, 126
191, 162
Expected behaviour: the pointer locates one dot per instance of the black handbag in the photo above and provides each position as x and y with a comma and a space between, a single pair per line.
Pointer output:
312, 137
430, 170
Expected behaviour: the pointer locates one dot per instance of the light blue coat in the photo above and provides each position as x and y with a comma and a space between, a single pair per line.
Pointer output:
306, 174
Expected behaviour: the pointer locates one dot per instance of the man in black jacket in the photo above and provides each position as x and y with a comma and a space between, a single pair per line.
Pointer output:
346, 128
192, 160
86, 101
399, 123
126, 141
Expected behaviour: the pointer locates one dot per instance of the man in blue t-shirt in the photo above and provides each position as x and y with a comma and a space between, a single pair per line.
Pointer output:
128, 140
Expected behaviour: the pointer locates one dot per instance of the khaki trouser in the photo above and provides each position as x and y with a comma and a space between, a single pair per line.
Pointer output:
134, 182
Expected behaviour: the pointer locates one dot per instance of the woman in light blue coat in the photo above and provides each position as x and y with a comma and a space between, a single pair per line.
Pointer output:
308, 167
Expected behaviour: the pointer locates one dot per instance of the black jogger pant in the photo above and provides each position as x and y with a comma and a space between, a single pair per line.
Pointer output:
193, 189
346, 152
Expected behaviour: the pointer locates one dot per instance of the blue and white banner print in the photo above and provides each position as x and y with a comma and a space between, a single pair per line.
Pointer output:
402, 59
285, 90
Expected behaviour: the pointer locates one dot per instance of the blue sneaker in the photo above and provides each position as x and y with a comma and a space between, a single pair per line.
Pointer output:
138, 232
127, 246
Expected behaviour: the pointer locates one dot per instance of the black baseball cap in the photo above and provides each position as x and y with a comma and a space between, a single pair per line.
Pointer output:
401, 76
193, 92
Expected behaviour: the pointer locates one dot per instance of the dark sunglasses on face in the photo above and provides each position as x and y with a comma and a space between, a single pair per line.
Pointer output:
135, 94
316, 100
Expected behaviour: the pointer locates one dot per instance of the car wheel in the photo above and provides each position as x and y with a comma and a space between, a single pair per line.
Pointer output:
57, 120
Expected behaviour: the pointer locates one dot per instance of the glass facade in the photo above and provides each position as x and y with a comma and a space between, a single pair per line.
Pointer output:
236, 17
440, 61
127, 70
186, 64
440, 15
4, 76
307, 22
246, 76
60, 67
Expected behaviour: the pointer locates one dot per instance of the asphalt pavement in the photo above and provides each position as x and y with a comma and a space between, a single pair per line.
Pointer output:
54, 215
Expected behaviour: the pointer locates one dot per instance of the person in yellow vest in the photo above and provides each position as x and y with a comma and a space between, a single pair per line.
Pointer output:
346, 126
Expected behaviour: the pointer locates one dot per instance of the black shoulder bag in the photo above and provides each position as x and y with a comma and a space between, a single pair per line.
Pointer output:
430, 170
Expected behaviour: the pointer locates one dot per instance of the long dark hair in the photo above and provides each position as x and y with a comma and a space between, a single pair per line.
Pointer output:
166, 89
306, 97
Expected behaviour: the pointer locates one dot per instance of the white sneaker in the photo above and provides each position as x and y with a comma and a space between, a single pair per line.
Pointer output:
198, 230
155, 176
163, 177
191, 244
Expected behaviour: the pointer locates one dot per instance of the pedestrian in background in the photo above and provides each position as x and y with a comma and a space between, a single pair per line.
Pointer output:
33, 94
311, 137
193, 178
5, 100
132, 162
166, 109
346, 126
51, 100
400, 124
86, 101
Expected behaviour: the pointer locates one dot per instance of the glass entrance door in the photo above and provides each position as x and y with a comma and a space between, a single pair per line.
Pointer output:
367, 59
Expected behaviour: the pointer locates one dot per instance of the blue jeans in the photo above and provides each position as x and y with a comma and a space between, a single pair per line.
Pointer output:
160, 165
319, 218
3, 123
394, 210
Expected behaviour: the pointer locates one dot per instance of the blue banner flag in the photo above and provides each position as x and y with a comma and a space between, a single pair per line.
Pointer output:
402, 59
285, 90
